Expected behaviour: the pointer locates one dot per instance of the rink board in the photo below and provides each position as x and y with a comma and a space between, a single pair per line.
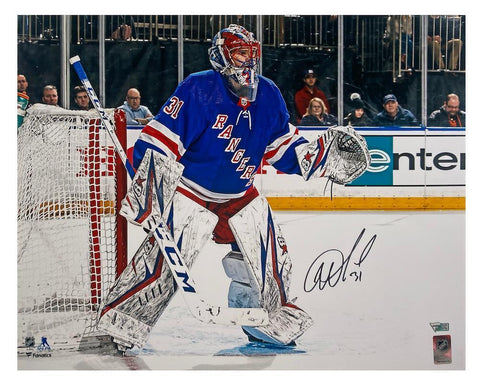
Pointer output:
411, 169
398, 301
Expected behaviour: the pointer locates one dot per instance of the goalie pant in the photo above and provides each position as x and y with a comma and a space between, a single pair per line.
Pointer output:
259, 264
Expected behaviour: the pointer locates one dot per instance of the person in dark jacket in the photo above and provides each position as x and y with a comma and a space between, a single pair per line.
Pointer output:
449, 114
81, 99
317, 114
394, 115
357, 117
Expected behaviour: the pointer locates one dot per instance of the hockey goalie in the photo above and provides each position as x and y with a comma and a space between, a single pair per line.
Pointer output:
195, 164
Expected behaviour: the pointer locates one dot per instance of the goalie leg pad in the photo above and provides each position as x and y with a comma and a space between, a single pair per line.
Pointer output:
264, 251
138, 297
265, 272
192, 226
146, 286
125, 330
151, 190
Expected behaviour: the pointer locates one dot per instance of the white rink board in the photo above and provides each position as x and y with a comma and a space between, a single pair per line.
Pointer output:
412, 274
406, 162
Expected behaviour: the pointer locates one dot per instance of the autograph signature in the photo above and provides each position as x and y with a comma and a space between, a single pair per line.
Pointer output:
331, 266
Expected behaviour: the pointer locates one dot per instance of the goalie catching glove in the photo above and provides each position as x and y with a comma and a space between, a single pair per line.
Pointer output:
340, 154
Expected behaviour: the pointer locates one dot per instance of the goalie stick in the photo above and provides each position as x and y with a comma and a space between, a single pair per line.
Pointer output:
181, 273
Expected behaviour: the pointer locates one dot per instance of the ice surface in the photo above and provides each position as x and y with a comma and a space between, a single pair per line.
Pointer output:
376, 316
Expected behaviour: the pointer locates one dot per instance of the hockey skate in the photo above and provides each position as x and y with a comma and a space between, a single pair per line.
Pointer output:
287, 323
254, 339
121, 346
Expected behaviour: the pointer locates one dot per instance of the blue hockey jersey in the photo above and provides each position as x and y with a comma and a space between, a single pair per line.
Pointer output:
219, 138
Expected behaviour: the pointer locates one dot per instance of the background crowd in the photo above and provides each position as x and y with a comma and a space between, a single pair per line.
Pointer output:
310, 104
380, 73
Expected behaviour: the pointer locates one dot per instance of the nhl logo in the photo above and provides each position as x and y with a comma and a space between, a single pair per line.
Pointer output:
442, 349
29, 341
442, 345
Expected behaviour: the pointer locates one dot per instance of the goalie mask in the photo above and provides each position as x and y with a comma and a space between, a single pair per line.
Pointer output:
235, 54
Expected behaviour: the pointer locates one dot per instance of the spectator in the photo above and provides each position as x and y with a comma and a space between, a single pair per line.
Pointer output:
317, 114
449, 29
22, 84
399, 29
454, 43
394, 115
80, 96
307, 93
357, 116
449, 114
23, 100
50, 95
434, 41
136, 114
22, 87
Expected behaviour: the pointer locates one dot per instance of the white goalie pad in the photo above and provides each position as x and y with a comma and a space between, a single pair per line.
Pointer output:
261, 274
192, 226
139, 296
146, 286
339, 154
264, 252
152, 189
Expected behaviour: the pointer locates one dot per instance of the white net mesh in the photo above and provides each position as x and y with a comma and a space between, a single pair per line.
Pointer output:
67, 249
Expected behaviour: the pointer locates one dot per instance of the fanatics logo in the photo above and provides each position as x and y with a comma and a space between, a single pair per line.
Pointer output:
41, 350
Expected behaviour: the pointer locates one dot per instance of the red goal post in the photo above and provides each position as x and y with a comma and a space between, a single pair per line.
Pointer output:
72, 243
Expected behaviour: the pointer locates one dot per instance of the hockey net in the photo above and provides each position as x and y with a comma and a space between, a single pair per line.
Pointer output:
71, 244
